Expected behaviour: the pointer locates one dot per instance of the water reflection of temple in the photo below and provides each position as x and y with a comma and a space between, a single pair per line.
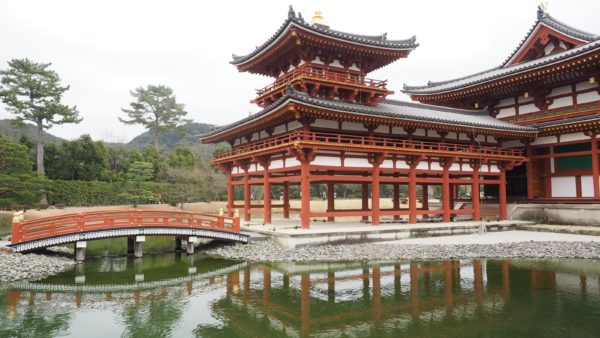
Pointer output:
359, 299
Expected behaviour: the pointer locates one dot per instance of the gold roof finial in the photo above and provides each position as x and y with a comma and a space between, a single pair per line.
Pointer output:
542, 9
318, 19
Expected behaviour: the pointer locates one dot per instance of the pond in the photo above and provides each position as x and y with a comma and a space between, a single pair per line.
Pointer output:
180, 296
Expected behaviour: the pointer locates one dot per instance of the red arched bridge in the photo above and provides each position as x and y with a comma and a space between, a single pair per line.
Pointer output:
134, 224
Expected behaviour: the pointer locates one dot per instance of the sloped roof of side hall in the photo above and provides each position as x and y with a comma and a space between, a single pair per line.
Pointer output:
589, 42
296, 20
409, 111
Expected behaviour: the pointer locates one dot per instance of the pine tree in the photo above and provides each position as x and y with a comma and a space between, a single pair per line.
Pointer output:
156, 109
33, 93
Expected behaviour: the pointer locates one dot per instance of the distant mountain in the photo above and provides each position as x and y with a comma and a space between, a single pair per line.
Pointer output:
174, 139
28, 130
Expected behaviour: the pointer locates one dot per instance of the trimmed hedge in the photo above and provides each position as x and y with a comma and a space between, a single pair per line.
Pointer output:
83, 193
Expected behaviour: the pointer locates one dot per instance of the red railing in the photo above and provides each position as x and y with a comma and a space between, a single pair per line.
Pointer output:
357, 140
114, 219
309, 72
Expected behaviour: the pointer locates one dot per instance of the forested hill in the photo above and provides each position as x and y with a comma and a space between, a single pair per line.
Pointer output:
28, 130
173, 139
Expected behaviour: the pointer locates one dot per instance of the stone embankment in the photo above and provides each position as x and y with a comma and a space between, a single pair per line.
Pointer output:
268, 251
16, 266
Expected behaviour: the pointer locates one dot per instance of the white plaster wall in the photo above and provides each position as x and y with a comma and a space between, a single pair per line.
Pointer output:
561, 102
481, 138
436, 166
263, 134
586, 85
235, 170
401, 165
419, 132
236, 142
573, 137
254, 137
523, 99
382, 129
252, 168
276, 164
317, 61
506, 112
466, 167
512, 144
294, 125
587, 97
527, 108
587, 186
291, 162
494, 168
423, 166
279, 129
560, 90
387, 164
327, 160
464, 137
354, 67
455, 167
506, 102
451, 136
432, 133
544, 140
564, 186
398, 131
357, 162
331, 124
353, 126
336, 63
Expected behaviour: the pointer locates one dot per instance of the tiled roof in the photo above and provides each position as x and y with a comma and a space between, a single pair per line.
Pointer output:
391, 109
379, 41
576, 119
591, 42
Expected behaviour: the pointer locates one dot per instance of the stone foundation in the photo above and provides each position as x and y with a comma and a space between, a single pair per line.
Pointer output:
572, 214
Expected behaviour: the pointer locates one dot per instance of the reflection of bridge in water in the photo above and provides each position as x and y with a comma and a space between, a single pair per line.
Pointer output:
134, 224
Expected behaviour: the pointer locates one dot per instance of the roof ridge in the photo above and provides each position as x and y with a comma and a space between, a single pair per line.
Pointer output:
439, 83
470, 112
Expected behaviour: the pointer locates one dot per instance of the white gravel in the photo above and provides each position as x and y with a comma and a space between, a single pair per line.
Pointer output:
16, 266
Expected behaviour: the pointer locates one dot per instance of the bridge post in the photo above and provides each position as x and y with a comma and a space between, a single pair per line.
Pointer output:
191, 243
178, 245
80, 251
138, 246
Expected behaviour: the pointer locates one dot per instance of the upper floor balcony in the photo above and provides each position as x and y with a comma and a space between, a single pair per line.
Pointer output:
320, 81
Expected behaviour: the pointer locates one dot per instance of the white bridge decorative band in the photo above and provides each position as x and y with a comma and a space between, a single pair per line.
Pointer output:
45, 287
125, 232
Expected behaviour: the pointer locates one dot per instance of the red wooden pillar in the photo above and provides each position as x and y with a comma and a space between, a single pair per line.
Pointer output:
230, 194
246, 194
375, 211
286, 199
478, 281
365, 199
446, 195
595, 168
396, 198
305, 193
305, 305
412, 195
529, 173
425, 196
330, 200
475, 194
377, 295
267, 194
502, 194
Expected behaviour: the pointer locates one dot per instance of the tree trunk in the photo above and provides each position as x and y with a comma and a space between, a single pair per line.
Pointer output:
157, 141
40, 148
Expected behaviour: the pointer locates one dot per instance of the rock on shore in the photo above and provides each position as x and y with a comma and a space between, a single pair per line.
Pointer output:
268, 251
16, 266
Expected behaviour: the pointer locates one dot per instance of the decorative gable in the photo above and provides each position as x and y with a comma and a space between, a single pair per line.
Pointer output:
543, 41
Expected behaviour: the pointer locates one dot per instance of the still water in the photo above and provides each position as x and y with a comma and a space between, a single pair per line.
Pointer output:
179, 296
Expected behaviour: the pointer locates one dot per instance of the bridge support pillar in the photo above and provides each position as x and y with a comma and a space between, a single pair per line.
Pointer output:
191, 243
178, 245
138, 246
130, 245
80, 251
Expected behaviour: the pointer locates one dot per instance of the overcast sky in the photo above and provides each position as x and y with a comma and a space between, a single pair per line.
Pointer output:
103, 49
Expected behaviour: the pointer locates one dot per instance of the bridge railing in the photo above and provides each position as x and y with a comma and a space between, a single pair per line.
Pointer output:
115, 219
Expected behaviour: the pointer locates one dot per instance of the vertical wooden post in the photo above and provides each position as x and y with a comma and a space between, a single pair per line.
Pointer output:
375, 212
502, 194
286, 200
267, 192
230, 194
595, 168
330, 200
412, 195
446, 193
305, 194
425, 196
377, 295
365, 199
266, 287
246, 194
305, 305
475, 194
396, 198
530, 173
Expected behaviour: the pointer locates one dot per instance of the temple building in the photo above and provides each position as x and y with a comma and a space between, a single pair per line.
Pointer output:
531, 123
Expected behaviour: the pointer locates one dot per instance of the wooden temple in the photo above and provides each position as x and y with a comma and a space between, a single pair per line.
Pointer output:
549, 83
324, 122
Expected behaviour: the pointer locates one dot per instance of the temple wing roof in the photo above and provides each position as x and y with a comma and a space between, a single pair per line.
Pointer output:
293, 20
586, 42
391, 109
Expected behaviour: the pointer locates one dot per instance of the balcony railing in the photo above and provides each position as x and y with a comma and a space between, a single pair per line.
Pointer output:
361, 141
314, 73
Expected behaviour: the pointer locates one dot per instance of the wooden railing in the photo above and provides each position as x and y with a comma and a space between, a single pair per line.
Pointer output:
308, 72
584, 108
115, 219
357, 140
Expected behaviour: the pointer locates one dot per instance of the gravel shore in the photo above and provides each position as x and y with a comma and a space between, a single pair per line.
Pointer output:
16, 266
269, 251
